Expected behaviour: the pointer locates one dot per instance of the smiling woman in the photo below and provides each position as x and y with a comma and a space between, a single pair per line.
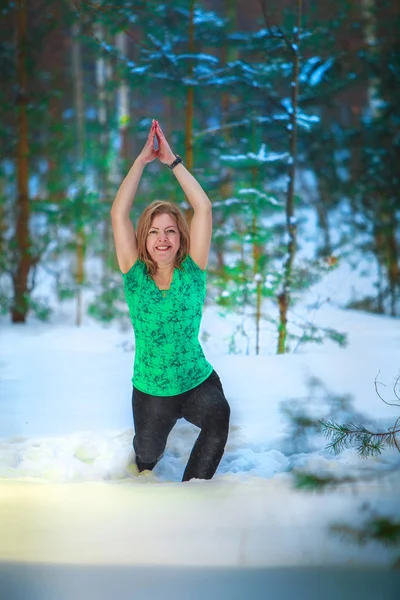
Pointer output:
164, 273
160, 226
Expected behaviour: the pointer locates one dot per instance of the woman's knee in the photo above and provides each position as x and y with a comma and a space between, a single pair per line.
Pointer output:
148, 450
218, 418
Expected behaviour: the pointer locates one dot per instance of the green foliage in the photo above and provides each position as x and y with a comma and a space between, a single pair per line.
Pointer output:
40, 307
311, 482
378, 528
302, 415
107, 305
255, 264
242, 115
37, 306
5, 296
368, 303
366, 442
316, 334
65, 293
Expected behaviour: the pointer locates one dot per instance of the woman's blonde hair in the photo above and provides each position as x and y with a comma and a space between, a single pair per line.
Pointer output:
159, 207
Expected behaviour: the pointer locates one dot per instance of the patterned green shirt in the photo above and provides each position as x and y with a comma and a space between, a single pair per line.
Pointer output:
168, 357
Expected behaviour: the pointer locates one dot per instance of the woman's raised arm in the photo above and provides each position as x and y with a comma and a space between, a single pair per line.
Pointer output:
123, 230
201, 224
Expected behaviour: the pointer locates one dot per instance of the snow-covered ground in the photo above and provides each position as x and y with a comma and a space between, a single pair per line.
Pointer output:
68, 498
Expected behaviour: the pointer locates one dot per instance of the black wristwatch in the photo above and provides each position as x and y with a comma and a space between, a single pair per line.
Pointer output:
177, 160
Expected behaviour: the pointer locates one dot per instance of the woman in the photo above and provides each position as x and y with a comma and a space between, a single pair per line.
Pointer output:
164, 272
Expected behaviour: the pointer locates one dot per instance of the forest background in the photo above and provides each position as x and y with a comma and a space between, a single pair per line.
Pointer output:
285, 111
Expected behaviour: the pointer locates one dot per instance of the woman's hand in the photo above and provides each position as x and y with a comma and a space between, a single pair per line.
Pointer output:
149, 153
165, 153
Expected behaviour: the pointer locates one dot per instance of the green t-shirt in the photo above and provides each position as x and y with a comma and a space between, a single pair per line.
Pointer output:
168, 357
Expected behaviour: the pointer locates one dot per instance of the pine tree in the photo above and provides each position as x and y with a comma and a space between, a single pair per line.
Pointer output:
23, 254
367, 443
269, 64
355, 156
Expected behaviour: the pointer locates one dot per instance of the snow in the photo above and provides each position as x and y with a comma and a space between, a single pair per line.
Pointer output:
139, 70
68, 496
208, 18
318, 74
66, 435
260, 196
261, 157
287, 104
199, 56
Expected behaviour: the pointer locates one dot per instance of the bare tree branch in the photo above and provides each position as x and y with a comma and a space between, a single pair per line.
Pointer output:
394, 388
92, 33
271, 28
376, 389
102, 8
394, 431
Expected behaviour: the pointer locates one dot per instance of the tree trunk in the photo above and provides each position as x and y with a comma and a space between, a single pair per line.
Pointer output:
258, 280
322, 214
257, 251
123, 103
190, 104
228, 54
23, 259
284, 296
103, 173
80, 124
392, 258
368, 9
3, 224
385, 218
189, 127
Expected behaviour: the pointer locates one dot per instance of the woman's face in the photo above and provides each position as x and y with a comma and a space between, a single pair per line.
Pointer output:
163, 239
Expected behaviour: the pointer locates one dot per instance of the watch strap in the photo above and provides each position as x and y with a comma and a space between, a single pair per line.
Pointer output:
177, 160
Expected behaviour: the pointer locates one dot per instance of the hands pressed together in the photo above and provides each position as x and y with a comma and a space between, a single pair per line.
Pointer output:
163, 152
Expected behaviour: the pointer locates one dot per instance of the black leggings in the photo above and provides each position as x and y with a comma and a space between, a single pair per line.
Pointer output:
205, 406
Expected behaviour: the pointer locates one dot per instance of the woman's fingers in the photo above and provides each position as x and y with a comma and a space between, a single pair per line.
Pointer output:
160, 131
158, 135
156, 142
152, 130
